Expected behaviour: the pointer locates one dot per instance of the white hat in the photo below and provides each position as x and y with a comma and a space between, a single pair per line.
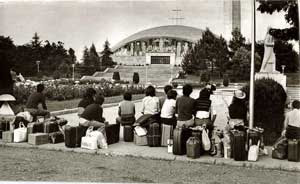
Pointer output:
239, 94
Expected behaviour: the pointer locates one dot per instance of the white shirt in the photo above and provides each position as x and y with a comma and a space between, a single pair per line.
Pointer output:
168, 109
293, 118
151, 105
205, 114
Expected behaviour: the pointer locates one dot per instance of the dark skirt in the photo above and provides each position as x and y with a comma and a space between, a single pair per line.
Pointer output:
292, 132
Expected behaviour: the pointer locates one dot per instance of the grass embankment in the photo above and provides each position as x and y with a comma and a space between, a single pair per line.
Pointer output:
70, 104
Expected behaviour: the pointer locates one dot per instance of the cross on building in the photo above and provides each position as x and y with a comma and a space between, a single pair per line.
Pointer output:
177, 18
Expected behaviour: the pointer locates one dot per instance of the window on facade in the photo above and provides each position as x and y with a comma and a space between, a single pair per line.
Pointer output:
160, 59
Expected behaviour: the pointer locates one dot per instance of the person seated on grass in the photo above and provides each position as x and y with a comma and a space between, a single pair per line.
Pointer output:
291, 128
163, 98
205, 114
93, 114
88, 98
150, 103
185, 107
126, 109
36, 103
168, 109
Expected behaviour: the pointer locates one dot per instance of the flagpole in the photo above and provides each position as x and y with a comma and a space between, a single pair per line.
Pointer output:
251, 99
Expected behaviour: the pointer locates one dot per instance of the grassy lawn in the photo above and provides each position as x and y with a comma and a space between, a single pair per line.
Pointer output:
70, 104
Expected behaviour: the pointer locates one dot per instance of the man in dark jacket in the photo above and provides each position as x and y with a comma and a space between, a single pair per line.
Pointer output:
35, 100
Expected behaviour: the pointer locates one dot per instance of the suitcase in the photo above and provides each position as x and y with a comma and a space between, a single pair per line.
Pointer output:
38, 138
140, 140
35, 128
56, 137
4, 125
112, 133
1, 134
128, 133
50, 126
180, 136
294, 150
73, 135
8, 136
238, 145
154, 136
166, 133
193, 147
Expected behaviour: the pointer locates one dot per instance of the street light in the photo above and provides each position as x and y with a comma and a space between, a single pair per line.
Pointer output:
38, 66
282, 67
73, 75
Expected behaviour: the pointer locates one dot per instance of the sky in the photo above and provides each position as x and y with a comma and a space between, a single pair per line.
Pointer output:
79, 23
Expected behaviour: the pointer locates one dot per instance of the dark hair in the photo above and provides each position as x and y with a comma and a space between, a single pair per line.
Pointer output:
187, 90
99, 99
167, 88
127, 96
172, 94
204, 93
296, 104
150, 91
89, 93
40, 88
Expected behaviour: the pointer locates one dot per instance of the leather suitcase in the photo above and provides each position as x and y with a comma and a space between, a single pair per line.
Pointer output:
166, 133
294, 150
238, 145
140, 140
154, 136
180, 136
56, 137
8, 136
128, 133
73, 135
193, 147
112, 133
38, 138
50, 126
4, 125
35, 128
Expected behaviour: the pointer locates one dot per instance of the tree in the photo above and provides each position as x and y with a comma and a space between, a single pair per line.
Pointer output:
94, 58
241, 63
35, 42
86, 57
106, 60
290, 7
72, 55
237, 41
208, 49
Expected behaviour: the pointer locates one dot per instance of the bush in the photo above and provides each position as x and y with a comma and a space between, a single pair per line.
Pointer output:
269, 105
116, 76
136, 78
225, 80
205, 77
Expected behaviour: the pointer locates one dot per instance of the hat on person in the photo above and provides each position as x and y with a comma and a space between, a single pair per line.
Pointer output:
239, 94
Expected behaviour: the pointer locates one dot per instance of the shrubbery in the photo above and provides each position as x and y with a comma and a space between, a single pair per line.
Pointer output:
205, 77
136, 78
269, 105
225, 80
116, 76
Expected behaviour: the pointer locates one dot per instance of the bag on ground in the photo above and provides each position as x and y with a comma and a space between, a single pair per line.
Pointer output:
20, 134
253, 152
193, 147
205, 140
140, 131
280, 148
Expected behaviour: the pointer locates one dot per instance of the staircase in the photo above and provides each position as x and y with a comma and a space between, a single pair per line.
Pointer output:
293, 92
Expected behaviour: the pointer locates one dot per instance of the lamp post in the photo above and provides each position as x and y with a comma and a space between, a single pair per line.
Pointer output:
147, 73
282, 67
73, 74
38, 66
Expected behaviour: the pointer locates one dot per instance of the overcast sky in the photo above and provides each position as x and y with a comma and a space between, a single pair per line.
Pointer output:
83, 22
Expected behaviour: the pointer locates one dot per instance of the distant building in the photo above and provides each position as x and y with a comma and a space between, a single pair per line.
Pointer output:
158, 45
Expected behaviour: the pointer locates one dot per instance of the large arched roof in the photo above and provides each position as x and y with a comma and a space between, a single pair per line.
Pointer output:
187, 33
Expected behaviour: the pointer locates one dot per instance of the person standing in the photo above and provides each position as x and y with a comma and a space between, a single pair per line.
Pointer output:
163, 98
168, 109
185, 107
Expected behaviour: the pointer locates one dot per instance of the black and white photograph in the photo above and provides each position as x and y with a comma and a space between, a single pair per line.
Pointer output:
150, 91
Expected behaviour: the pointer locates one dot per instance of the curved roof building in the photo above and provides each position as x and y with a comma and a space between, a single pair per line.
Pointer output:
158, 45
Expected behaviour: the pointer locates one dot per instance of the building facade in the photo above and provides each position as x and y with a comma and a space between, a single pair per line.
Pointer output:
159, 45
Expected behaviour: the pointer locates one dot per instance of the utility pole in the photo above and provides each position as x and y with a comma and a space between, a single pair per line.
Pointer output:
251, 99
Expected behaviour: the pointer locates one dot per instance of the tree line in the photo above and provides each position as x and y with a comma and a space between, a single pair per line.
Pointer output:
38, 58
